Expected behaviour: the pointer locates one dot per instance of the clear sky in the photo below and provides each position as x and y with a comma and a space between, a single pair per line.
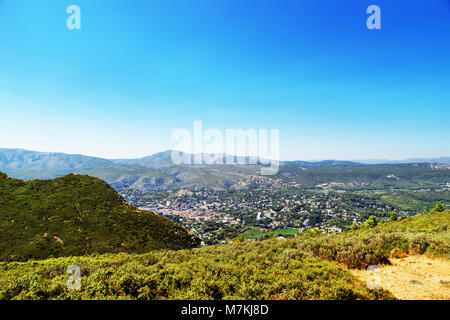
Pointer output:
137, 70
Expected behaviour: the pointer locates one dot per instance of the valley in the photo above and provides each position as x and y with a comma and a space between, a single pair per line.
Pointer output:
221, 202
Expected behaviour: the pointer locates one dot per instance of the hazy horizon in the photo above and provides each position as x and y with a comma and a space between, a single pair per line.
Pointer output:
281, 159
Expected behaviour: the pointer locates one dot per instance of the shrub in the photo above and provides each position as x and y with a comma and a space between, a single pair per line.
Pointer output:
439, 207
397, 253
354, 226
370, 223
394, 216
418, 245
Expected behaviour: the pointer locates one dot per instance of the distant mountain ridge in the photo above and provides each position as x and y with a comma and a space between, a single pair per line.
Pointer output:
323, 163
32, 164
164, 159
19, 159
439, 160
157, 160
157, 172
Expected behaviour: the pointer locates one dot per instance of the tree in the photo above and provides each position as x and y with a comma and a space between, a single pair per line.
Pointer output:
370, 223
312, 232
439, 207
240, 238
394, 216
354, 226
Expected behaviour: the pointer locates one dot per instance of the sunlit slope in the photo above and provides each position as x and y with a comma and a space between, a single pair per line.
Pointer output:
308, 267
312, 266
77, 215
258, 270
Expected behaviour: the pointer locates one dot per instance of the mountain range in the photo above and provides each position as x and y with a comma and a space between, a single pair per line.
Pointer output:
158, 171
439, 160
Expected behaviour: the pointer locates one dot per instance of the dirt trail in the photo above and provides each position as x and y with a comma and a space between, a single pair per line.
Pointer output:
412, 278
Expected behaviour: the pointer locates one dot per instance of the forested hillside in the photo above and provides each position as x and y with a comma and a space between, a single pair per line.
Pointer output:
78, 215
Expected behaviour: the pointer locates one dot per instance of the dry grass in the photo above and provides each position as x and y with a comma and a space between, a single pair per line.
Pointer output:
413, 278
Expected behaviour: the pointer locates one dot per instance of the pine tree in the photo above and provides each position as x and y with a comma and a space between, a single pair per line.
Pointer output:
439, 207
394, 216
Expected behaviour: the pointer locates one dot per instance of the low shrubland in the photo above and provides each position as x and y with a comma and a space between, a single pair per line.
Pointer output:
308, 267
259, 270
421, 234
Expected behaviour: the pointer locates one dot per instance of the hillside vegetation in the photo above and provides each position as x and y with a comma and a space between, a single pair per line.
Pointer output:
77, 215
260, 270
308, 267
421, 234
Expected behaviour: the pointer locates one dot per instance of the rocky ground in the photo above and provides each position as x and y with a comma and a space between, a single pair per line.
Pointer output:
412, 278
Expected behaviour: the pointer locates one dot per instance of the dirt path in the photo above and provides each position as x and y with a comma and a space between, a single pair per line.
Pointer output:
412, 278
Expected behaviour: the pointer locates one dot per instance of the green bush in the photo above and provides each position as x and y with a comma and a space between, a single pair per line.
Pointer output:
394, 216
439, 207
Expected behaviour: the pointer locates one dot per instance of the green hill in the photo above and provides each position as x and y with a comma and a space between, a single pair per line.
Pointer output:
77, 215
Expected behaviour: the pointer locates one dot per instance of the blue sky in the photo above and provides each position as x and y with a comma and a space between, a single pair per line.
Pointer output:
137, 70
